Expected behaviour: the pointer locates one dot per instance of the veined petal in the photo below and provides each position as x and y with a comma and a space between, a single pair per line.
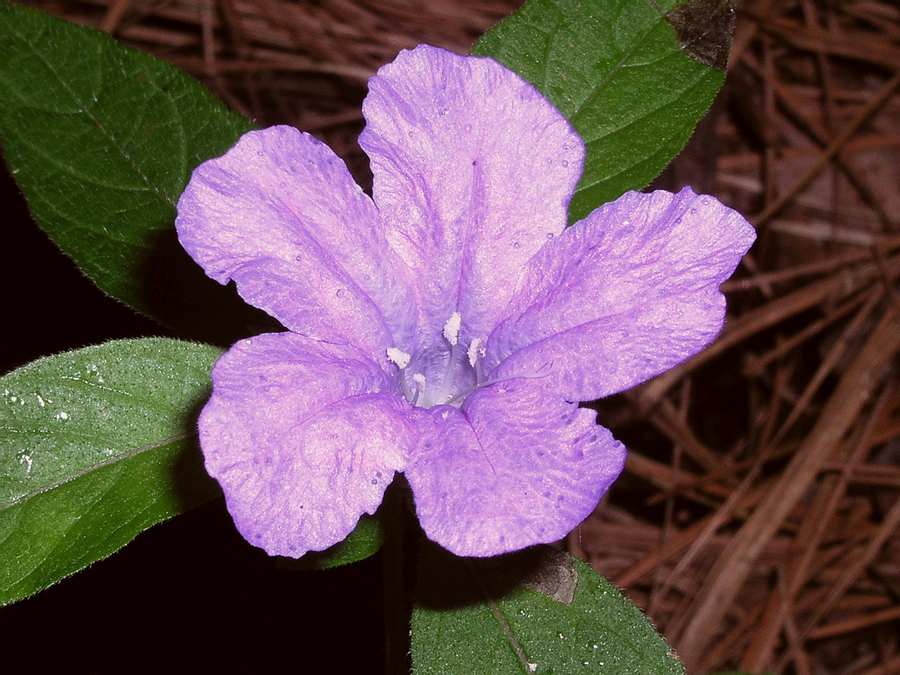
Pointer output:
280, 215
304, 437
623, 295
473, 172
519, 466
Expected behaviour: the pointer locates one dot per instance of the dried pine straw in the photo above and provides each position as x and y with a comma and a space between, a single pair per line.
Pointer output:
757, 521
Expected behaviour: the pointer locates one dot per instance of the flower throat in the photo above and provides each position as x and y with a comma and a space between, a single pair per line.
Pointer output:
461, 377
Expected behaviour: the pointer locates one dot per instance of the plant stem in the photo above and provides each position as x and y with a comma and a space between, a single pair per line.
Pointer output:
396, 612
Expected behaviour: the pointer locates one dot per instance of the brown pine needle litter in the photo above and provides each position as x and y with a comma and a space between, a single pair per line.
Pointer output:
758, 522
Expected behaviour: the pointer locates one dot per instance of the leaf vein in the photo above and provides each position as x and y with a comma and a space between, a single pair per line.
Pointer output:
96, 467
97, 122
595, 92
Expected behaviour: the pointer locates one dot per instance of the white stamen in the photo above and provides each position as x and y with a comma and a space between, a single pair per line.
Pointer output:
398, 357
475, 350
419, 379
451, 328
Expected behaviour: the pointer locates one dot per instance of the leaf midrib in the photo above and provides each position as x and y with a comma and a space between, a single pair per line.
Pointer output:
128, 454
86, 111
595, 91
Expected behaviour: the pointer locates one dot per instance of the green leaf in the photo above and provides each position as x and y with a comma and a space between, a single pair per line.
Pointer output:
363, 542
632, 85
96, 445
539, 611
102, 140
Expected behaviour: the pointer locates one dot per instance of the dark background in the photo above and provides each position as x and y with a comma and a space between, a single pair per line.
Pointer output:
188, 595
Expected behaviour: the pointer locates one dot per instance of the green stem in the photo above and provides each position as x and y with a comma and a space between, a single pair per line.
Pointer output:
396, 611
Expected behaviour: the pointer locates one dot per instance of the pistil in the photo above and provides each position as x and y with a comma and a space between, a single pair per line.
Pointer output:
484, 385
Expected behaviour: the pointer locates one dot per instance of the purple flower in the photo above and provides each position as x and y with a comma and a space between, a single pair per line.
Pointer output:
446, 327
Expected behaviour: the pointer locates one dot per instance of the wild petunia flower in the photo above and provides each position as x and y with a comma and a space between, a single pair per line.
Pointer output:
445, 327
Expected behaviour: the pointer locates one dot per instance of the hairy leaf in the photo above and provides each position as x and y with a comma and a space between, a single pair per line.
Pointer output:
632, 85
102, 140
96, 445
515, 614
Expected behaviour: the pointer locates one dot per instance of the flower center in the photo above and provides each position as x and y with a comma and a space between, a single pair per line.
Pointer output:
452, 373
445, 377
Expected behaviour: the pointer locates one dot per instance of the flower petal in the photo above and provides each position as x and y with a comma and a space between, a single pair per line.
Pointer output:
623, 295
518, 467
303, 437
473, 171
280, 214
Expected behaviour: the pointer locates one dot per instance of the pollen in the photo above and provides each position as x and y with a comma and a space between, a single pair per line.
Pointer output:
451, 328
398, 357
475, 351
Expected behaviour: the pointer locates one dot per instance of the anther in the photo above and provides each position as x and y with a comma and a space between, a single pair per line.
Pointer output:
475, 351
398, 357
451, 328
401, 359
451, 334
